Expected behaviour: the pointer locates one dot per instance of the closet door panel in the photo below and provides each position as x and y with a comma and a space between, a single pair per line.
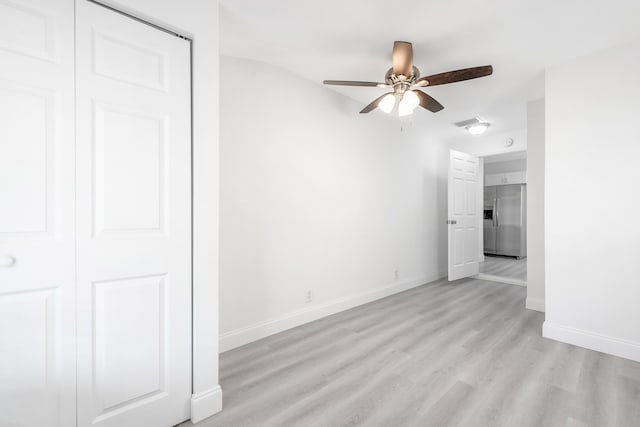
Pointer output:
134, 221
37, 243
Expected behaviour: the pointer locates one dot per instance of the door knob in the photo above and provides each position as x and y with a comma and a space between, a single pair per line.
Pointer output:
7, 261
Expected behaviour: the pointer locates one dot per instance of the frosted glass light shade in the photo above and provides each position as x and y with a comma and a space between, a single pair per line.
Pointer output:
410, 99
478, 128
403, 110
408, 103
387, 103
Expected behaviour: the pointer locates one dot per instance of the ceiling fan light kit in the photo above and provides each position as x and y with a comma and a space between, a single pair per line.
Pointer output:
408, 103
403, 76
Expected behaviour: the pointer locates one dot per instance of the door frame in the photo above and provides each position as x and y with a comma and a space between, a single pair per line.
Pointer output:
480, 208
199, 25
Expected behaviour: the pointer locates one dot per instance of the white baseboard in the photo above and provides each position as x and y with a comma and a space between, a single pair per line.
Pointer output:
206, 404
536, 304
593, 341
242, 336
500, 279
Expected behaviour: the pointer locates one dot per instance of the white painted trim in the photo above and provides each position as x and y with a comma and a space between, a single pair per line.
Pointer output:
248, 334
500, 279
205, 404
503, 150
536, 304
480, 209
593, 341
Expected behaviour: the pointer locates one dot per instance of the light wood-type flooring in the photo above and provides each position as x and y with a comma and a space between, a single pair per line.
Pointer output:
505, 267
465, 353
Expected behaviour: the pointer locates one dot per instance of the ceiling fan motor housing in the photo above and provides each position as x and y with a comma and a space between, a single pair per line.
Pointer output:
391, 79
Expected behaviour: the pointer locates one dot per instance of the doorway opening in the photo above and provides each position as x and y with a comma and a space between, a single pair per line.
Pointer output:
503, 245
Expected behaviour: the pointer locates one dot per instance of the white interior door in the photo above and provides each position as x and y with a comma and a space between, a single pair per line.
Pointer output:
133, 221
463, 215
37, 247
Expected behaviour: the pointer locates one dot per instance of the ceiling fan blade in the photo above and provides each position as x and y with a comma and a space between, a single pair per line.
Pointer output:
428, 102
374, 104
455, 76
354, 83
402, 58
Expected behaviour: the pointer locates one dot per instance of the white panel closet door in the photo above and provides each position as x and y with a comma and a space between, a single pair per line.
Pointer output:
464, 233
134, 221
37, 265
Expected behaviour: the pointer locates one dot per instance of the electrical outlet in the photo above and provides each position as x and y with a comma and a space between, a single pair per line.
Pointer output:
396, 274
308, 296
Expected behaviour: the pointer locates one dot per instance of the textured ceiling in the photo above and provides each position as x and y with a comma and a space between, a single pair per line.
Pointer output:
352, 40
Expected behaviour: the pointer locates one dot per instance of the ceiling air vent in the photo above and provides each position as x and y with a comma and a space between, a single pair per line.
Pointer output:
467, 123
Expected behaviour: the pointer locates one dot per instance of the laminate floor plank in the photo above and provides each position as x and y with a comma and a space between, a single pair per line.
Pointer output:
627, 401
464, 353
504, 267
447, 410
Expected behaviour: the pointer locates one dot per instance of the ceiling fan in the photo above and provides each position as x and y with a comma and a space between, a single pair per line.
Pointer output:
403, 77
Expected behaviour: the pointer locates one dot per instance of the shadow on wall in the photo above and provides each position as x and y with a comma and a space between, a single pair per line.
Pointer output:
435, 182
442, 203
434, 206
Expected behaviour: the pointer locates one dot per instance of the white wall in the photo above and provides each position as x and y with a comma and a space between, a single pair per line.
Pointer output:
535, 204
592, 202
490, 143
316, 196
200, 22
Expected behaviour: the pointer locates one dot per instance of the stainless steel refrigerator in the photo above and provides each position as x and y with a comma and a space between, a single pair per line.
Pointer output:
505, 220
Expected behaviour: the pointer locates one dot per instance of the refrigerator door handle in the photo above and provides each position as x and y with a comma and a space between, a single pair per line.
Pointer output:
495, 212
